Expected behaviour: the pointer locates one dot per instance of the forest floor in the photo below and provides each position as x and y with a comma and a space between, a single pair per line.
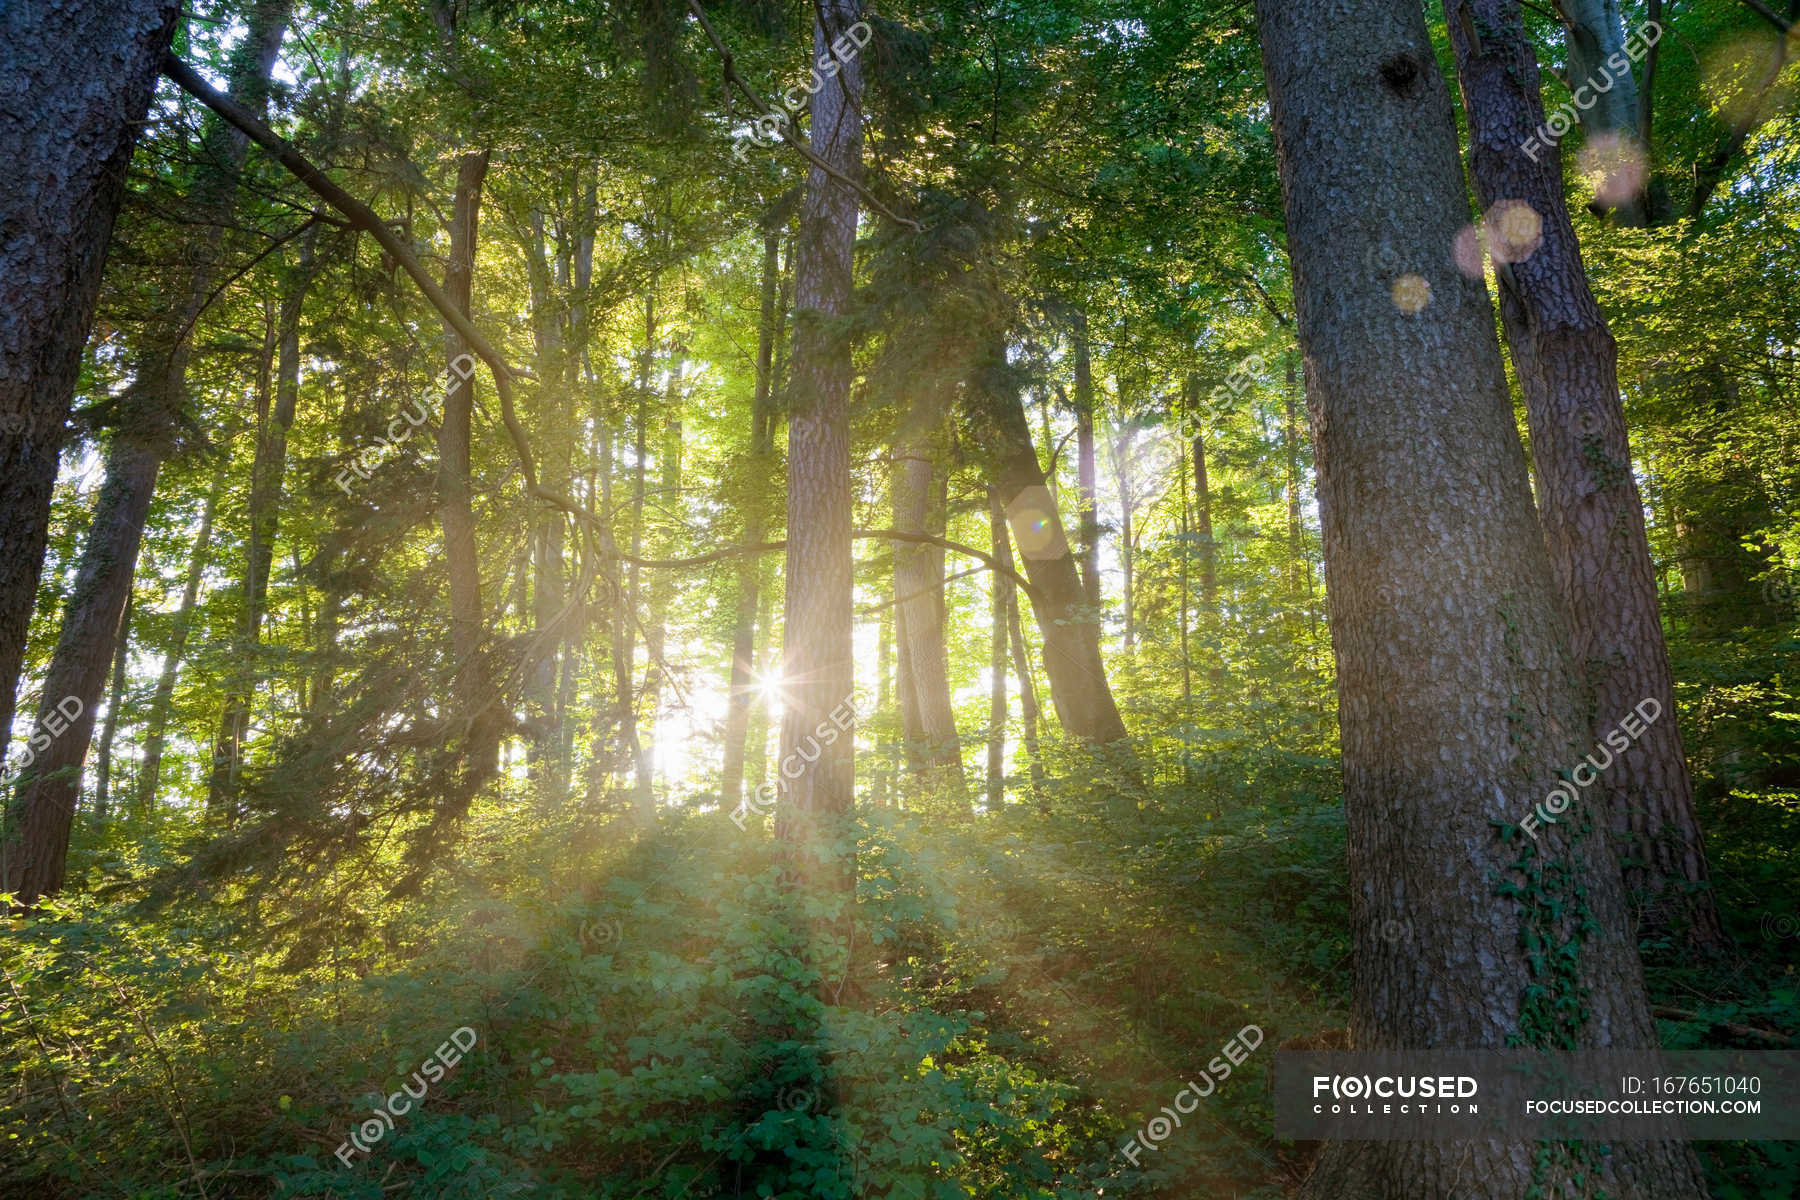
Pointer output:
636, 1016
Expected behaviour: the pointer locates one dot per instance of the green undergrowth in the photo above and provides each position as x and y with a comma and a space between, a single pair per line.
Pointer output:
647, 1023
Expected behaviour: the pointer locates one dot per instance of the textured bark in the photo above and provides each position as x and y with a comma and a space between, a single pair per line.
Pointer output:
263, 520
1457, 700
44, 806
749, 572
75, 81
151, 410
1071, 635
157, 722
115, 692
811, 820
934, 752
469, 685
1588, 500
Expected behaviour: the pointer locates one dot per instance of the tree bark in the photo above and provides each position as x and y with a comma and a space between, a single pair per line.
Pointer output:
151, 410
1064, 611
934, 752
816, 763
157, 722
469, 685
1457, 702
66, 135
1588, 500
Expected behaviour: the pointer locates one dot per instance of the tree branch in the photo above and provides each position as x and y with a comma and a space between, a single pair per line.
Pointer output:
787, 133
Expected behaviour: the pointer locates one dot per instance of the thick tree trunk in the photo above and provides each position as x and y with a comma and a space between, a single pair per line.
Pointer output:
263, 519
1456, 700
1611, 118
48, 789
151, 412
66, 136
115, 692
816, 762
1593, 516
1065, 614
749, 569
469, 685
934, 751
156, 722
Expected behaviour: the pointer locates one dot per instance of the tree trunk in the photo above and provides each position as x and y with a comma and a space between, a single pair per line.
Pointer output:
157, 722
263, 519
1203, 526
66, 137
1595, 33
547, 592
1121, 453
1290, 436
743, 692
151, 410
1588, 500
469, 686
998, 639
1065, 614
115, 700
1085, 470
934, 751
643, 790
1455, 697
49, 788
816, 763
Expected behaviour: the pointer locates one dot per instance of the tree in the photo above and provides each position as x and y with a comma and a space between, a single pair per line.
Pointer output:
816, 672
1588, 500
68, 149
1457, 701
151, 411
